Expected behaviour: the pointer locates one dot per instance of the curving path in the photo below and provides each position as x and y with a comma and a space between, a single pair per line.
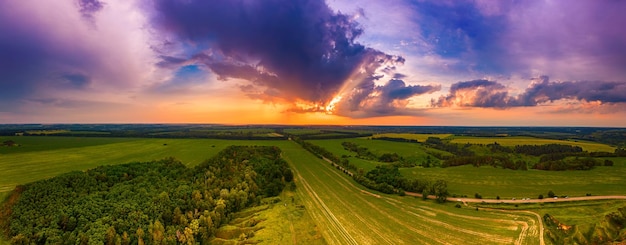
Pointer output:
548, 200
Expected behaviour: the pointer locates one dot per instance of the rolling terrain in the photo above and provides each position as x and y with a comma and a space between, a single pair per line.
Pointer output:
345, 212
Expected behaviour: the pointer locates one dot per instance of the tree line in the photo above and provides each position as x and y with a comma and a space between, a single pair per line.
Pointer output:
158, 202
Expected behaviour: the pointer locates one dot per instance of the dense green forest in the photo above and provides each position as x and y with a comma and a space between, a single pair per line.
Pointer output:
159, 202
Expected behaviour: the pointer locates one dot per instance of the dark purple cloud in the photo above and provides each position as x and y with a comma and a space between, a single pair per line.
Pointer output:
88, 8
567, 39
542, 91
298, 47
483, 93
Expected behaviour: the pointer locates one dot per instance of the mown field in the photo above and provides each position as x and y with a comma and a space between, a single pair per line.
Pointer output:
344, 212
353, 215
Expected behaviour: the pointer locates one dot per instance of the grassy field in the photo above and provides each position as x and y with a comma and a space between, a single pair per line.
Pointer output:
418, 137
513, 141
343, 211
353, 215
491, 182
44, 157
378, 147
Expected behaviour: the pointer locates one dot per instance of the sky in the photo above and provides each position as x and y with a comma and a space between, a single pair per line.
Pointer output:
338, 62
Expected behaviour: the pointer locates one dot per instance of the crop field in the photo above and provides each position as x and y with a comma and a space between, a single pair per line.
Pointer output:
343, 211
353, 215
491, 182
513, 141
418, 137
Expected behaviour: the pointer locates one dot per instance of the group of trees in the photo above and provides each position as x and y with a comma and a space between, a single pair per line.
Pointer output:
538, 150
365, 153
159, 202
577, 163
495, 161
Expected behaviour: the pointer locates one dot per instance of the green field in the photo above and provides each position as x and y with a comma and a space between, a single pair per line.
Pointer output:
378, 147
418, 137
491, 182
344, 212
513, 141
44, 157
353, 215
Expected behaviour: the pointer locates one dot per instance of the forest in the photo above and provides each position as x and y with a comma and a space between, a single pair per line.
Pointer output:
158, 202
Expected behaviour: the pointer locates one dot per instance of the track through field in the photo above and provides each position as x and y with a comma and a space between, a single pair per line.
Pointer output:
350, 214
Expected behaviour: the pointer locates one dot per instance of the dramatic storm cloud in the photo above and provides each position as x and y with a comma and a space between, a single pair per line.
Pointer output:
301, 49
313, 61
483, 93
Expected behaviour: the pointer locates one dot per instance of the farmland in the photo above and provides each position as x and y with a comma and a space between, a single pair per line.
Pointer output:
43, 157
330, 204
323, 191
491, 182
355, 215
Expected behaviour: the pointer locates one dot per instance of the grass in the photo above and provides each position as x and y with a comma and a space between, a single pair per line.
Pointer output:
515, 140
491, 182
288, 222
418, 137
343, 211
353, 215
44, 157
378, 147
302, 131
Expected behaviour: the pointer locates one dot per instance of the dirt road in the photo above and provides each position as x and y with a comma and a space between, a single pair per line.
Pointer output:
569, 199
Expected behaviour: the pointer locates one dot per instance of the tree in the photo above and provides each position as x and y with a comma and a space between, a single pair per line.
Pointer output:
140, 234
540, 196
441, 190
551, 194
110, 236
157, 230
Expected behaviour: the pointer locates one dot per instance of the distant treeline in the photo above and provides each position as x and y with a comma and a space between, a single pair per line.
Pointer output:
611, 136
160, 202
330, 134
